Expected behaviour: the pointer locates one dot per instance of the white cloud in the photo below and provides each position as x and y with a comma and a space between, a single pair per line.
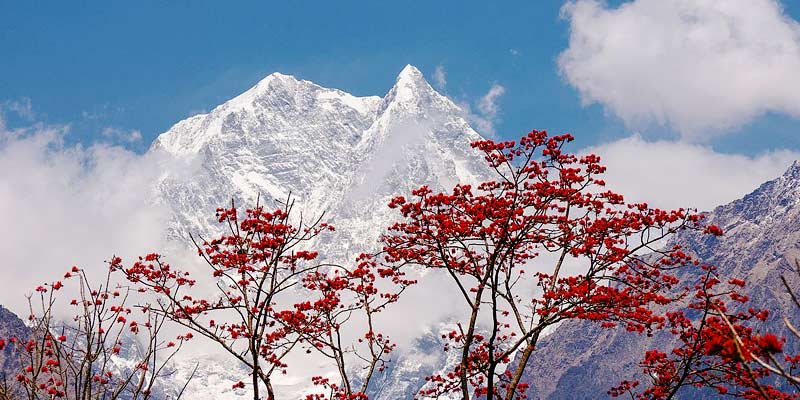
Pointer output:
134, 135
440, 77
22, 107
488, 109
514, 52
488, 103
117, 134
673, 174
67, 205
101, 111
699, 67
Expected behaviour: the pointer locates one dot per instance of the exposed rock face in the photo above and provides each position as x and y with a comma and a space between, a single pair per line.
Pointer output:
11, 326
761, 243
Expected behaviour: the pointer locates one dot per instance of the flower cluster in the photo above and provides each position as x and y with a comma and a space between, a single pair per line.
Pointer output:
74, 359
491, 238
719, 348
261, 266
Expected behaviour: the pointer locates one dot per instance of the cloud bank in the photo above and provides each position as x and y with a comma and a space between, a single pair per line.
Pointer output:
70, 205
674, 174
699, 67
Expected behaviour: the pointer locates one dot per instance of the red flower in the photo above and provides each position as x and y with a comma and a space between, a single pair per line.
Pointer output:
713, 230
770, 343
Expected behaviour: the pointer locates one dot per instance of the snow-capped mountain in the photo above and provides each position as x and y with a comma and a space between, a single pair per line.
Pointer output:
761, 243
335, 153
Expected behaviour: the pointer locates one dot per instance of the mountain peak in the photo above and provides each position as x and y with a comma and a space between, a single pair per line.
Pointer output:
336, 153
794, 170
411, 87
411, 74
278, 76
788, 182
412, 80
275, 79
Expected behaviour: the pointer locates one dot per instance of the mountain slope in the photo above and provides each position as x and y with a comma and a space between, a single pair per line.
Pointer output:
10, 361
335, 153
761, 243
283, 135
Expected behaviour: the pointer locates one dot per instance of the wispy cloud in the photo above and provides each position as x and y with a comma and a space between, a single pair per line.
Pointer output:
116, 135
487, 111
440, 77
71, 204
488, 104
101, 112
22, 108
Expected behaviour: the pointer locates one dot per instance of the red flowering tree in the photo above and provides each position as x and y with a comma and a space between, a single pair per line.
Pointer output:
347, 295
543, 243
74, 359
721, 350
490, 240
273, 298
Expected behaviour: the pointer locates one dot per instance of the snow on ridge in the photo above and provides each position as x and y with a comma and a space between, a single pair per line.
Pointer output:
323, 145
336, 153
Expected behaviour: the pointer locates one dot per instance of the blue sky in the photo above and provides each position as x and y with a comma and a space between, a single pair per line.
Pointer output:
98, 65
